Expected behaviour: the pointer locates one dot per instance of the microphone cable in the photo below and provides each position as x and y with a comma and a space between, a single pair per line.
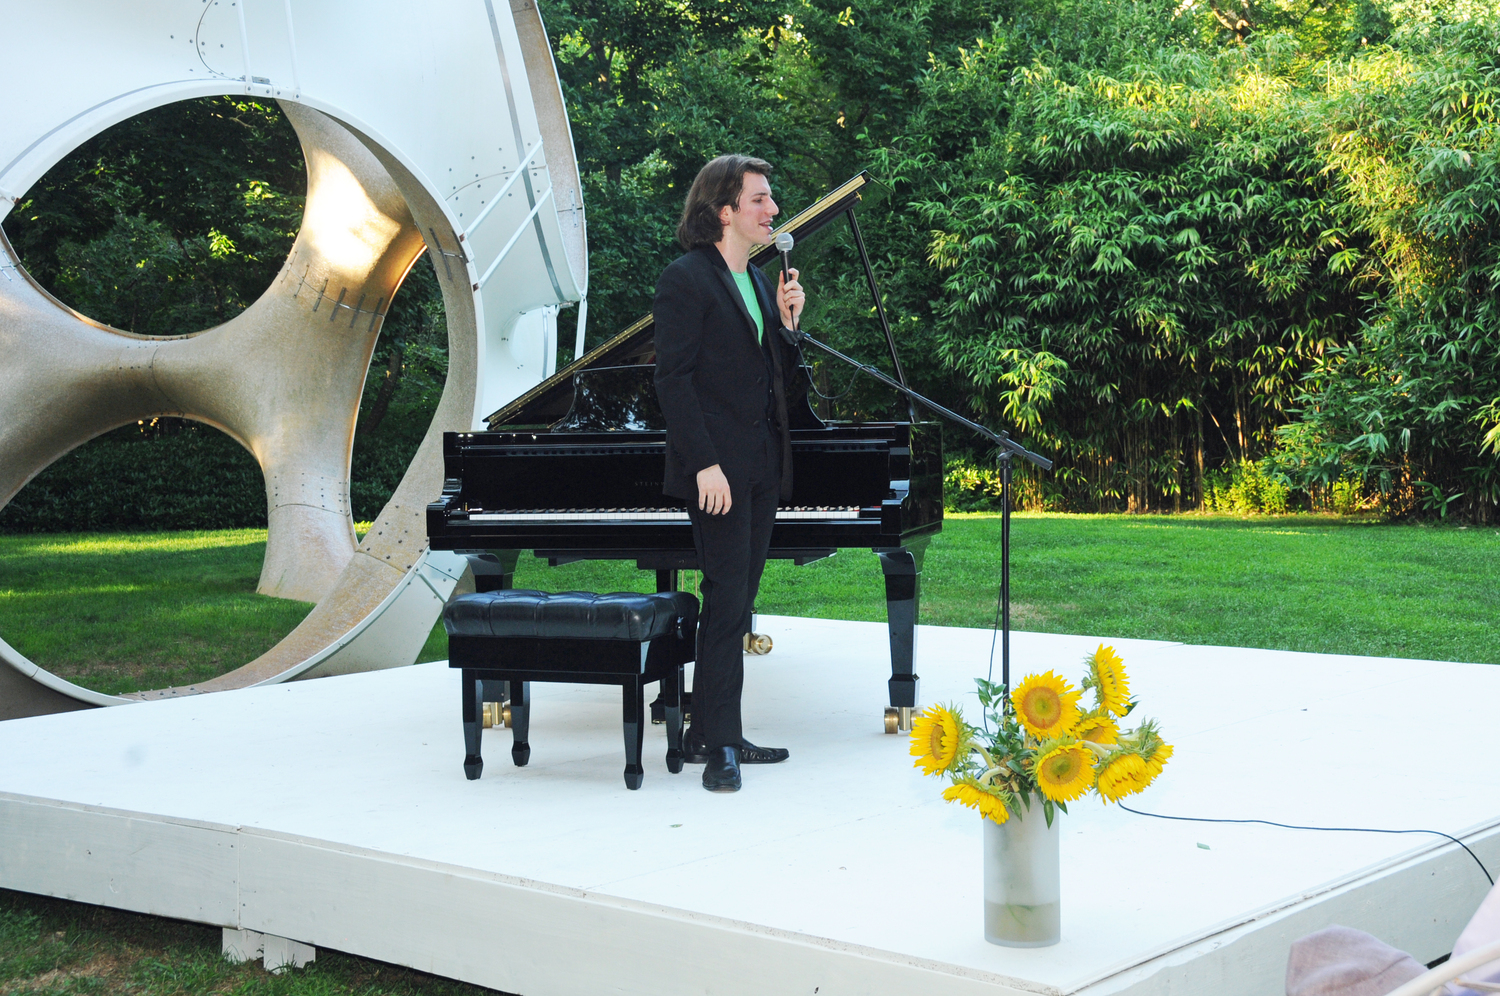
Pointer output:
812, 384
784, 243
1293, 826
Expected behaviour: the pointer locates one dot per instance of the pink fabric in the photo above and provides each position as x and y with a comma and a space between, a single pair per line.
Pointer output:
1483, 928
1342, 961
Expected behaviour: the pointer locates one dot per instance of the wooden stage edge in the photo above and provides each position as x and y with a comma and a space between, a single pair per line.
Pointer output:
335, 813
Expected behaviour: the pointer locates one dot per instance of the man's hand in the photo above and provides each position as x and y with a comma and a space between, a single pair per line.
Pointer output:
789, 298
713, 490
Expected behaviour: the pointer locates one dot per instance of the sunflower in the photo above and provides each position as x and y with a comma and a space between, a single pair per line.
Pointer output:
1046, 705
1122, 774
937, 739
1147, 742
1106, 676
1159, 758
1098, 728
990, 805
1065, 772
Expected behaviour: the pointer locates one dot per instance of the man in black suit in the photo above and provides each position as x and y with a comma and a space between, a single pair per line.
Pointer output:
722, 370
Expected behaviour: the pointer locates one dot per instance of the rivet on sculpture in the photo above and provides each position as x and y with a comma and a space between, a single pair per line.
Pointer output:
284, 378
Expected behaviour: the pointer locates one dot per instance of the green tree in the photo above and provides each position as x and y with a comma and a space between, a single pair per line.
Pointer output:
170, 222
1412, 403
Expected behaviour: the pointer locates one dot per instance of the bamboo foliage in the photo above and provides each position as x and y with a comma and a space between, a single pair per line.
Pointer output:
1137, 266
1181, 256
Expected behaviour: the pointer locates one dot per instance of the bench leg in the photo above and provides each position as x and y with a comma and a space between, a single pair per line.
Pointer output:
666, 580
473, 724
633, 694
520, 722
671, 691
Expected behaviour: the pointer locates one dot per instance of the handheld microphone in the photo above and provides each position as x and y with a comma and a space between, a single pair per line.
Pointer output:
784, 244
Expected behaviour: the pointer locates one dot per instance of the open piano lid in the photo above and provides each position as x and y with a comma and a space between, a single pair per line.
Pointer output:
550, 400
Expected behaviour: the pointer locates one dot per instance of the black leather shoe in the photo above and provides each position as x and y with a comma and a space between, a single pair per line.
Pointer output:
722, 770
751, 754
696, 752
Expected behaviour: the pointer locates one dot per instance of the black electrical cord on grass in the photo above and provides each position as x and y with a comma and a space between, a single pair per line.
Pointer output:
1292, 826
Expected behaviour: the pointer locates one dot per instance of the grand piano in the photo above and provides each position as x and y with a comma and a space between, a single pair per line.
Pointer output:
572, 470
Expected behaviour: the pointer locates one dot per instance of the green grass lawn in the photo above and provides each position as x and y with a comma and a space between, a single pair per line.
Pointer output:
51, 947
120, 612
1303, 582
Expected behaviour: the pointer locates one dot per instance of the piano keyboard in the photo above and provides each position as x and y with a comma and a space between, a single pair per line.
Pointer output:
823, 514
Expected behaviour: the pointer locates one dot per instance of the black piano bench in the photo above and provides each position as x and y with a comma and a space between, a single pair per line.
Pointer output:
626, 639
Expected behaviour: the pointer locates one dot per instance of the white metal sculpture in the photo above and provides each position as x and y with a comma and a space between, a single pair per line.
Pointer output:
437, 125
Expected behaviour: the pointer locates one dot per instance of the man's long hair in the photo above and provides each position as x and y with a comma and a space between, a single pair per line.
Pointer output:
717, 185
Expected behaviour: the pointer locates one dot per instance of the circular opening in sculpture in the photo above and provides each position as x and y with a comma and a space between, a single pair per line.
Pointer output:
168, 223
142, 558
407, 374
132, 561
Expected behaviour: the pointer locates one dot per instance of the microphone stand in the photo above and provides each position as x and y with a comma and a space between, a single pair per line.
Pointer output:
1009, 449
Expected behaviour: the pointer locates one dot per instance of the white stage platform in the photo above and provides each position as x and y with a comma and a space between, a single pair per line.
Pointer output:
335, 812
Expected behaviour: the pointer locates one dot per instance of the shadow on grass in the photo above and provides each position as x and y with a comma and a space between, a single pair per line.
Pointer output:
121, 612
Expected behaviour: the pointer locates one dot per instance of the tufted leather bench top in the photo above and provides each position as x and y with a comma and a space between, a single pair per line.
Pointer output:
572, 615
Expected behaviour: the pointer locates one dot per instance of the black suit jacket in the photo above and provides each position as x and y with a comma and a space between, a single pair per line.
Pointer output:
714, 381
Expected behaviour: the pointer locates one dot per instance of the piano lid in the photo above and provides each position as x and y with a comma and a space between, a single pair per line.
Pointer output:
551, 400
609, 398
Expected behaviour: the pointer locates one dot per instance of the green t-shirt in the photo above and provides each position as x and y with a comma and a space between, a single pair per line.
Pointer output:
752, 303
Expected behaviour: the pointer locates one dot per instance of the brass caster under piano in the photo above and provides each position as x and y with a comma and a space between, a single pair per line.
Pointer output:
496, 715
898, 718
757, 644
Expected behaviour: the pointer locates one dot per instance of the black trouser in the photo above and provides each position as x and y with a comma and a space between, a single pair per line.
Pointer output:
732, 554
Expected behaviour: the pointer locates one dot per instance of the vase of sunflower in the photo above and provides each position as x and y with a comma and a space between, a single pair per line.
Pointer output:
1038, 745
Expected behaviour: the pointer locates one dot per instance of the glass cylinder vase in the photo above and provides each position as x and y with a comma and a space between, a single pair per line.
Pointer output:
1022, 894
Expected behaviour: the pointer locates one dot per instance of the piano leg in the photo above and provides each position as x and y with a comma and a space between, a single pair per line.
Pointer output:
902, 567
494, 570
473, 724
671, 691
633, 695
520, 722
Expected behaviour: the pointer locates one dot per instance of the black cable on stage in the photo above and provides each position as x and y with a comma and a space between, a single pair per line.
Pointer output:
1292, 826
